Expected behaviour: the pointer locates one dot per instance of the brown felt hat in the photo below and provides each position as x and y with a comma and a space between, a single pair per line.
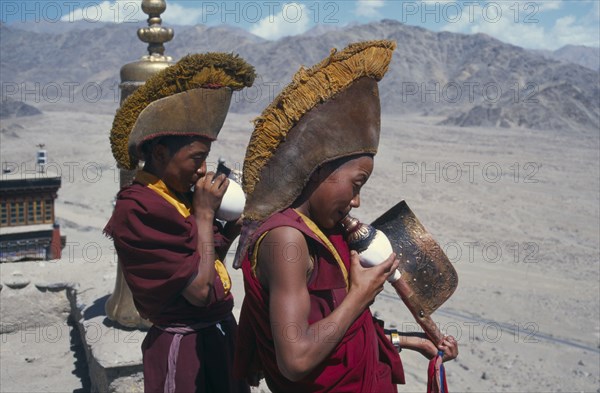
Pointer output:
329, 111
189, 98
197, 112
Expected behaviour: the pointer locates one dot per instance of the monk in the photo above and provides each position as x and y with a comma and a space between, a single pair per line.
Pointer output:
164, 228
305, 322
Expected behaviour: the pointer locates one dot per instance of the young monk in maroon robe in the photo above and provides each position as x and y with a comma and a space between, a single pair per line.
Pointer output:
166, 236
305, 322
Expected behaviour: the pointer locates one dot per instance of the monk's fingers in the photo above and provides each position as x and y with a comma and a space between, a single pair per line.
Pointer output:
216, 185
206, 180
354, 258
446, 341
450, 341
218, 180
224, 184
389, 265
395, 264
450, 347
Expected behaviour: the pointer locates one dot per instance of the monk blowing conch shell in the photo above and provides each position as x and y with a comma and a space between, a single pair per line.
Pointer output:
305, 323
164, 226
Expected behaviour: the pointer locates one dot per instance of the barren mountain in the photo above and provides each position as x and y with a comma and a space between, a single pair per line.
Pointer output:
470, 80
576, 54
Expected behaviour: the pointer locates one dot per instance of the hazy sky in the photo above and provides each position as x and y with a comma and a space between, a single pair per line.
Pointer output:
547, 24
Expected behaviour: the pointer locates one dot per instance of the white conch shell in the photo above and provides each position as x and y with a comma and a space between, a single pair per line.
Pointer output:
232, 204
378, 251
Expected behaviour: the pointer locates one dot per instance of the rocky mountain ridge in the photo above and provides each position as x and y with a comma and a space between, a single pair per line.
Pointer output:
469, 80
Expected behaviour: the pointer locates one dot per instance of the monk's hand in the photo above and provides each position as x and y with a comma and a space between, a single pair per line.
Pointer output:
428, 349
208, 193
367, 282
450, 347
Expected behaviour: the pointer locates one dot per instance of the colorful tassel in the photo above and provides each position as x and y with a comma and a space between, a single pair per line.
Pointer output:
436, 375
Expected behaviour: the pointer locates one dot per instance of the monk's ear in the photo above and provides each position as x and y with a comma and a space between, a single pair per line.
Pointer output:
160, 154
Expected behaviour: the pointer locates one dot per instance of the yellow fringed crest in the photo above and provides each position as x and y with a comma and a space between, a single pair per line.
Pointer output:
310, 87
211, 70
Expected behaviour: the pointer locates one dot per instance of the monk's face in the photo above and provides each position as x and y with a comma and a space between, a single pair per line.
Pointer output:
339, 192
184, 166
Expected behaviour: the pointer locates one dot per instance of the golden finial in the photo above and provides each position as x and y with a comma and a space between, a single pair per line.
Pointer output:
155, 35
134, 74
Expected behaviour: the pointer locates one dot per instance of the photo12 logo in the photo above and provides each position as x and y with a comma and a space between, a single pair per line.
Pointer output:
469, 91
53, 332
319, 12
492, 252
483, 330
68, 171
469, 11
70, 11
471, 172
53, 92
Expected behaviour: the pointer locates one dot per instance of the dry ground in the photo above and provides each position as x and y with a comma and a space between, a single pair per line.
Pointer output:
516, 210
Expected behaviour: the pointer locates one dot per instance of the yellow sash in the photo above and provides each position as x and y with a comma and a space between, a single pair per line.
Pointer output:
317, 231
159, 187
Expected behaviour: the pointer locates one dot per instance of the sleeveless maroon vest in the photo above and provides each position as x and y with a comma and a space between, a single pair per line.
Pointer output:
364, 360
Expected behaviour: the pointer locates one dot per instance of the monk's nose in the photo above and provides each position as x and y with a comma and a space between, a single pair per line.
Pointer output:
355, 202
202, 170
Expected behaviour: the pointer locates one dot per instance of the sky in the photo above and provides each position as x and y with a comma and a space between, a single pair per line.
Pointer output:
546, 24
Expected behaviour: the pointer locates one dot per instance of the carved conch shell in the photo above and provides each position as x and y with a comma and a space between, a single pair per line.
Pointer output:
372, 245
426, 278
232, 204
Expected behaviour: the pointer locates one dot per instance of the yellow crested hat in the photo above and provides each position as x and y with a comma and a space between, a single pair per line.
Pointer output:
189, 98
329, 111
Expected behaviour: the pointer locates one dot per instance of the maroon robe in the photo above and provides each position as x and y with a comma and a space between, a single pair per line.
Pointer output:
364, 360
156, 246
